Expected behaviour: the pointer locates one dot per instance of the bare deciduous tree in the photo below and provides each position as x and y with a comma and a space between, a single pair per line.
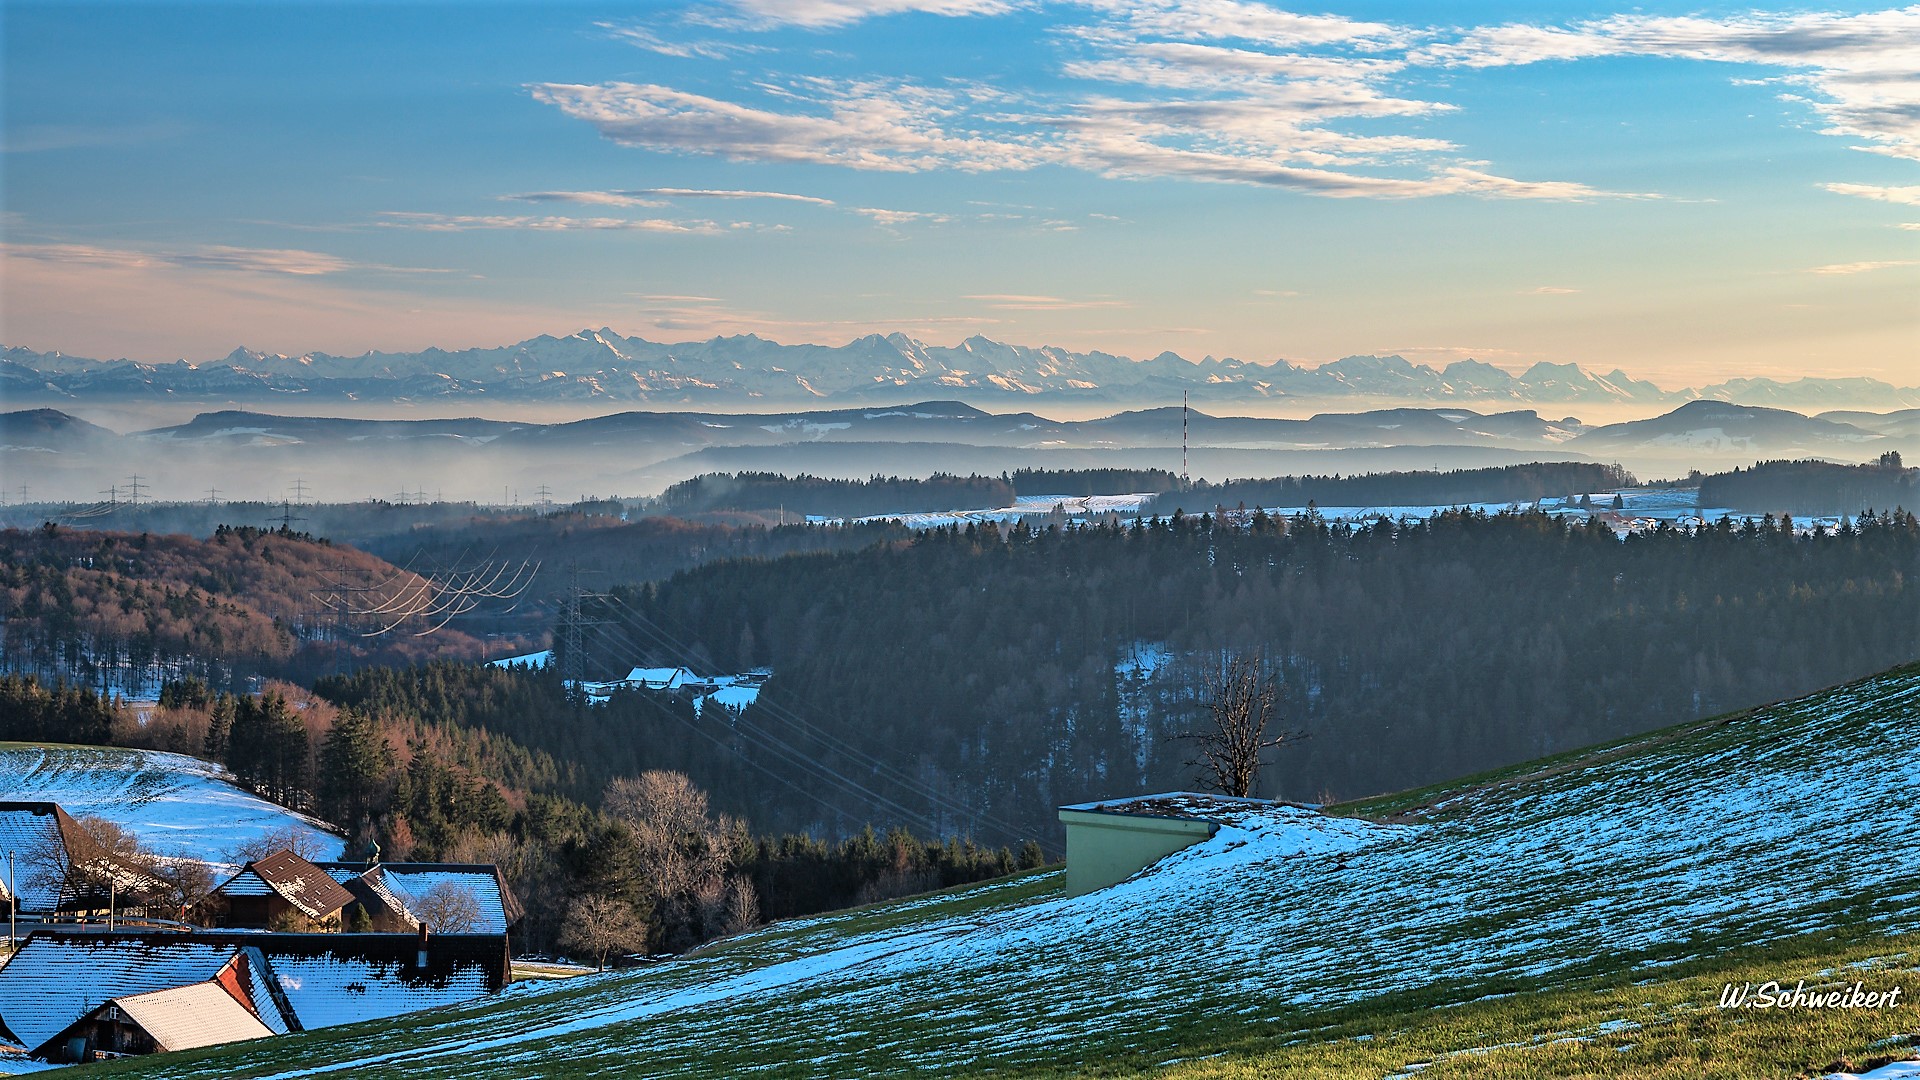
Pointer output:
1239, 697
448, 908
286, 838
685, 856
601, 924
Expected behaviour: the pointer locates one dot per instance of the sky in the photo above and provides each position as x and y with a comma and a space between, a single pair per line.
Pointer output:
1688, 193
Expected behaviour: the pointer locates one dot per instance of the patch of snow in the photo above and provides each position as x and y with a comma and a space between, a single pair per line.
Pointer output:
526, 660
171, 802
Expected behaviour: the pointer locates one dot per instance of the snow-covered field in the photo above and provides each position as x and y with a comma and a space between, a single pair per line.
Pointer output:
1675, 847
1640, 509
174, 804
1072, 507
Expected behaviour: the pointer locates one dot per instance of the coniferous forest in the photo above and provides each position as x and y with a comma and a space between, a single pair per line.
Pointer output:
983, 675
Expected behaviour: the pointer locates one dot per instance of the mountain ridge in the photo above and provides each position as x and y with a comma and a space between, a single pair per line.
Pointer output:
605, 365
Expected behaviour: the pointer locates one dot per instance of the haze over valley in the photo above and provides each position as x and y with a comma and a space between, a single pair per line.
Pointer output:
866, 538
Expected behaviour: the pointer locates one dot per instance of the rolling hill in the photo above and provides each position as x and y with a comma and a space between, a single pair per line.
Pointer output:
171, 802
1574, 915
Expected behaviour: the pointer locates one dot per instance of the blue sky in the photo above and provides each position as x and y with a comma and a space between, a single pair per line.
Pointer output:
1687, 193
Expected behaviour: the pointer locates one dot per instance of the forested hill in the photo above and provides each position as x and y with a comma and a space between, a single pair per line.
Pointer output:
763, 492
121, 611
1500, 484
982, 663
1815, 487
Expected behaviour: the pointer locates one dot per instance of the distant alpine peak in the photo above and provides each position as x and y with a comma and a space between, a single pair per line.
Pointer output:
601, 364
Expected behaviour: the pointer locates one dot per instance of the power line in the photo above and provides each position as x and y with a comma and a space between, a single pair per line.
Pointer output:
802, 762
879, 767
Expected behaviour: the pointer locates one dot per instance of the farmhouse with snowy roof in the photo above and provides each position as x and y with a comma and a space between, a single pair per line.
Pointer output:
281, 891
448, 898
75, 996
57, 866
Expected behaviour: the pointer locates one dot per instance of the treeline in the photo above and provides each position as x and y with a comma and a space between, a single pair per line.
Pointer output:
824, 497
1814, 488
978, 675
1499, 484
1083, 482
818, 496
30, 712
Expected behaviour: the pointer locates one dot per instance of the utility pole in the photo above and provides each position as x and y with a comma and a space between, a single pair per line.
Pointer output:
133, 494
213, 496
572, 624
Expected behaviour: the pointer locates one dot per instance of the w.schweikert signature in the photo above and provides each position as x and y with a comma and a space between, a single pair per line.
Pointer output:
1772, 995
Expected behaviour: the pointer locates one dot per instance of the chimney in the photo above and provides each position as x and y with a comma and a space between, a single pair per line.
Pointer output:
420, 957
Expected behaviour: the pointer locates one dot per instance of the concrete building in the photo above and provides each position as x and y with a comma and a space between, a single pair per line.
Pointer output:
1111, 840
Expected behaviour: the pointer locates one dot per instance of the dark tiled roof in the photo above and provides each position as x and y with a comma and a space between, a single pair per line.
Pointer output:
297, 881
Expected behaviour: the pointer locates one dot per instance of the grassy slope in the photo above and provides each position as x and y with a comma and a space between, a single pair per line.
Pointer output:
1575, 917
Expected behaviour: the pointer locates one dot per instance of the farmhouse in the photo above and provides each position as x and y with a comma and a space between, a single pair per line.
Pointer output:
58, 867
283, 891
184, 1018
78, 995
449, 898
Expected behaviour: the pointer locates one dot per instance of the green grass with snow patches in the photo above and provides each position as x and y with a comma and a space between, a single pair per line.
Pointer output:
1571, 917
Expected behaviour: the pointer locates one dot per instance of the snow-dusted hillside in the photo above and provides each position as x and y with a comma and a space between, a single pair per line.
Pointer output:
1652, 854
175, 804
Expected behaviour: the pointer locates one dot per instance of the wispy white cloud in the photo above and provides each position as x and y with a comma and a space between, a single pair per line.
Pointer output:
1914, 225
1550, 290
657, 197
432, 222
644, 37
1864, 267
895, 128
821, 14
882, 216
1907, 196
285, 261
1240, 20
1864, 68
1235, 91
1019, 302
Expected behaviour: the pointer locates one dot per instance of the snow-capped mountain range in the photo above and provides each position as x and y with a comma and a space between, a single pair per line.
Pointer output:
607, 366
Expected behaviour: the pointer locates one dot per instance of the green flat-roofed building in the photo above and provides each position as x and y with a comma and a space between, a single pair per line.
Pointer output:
1110, 841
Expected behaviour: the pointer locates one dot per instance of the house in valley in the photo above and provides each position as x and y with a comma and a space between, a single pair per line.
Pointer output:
58, 867
183, 1018
448, 898
78, 995
283, 891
